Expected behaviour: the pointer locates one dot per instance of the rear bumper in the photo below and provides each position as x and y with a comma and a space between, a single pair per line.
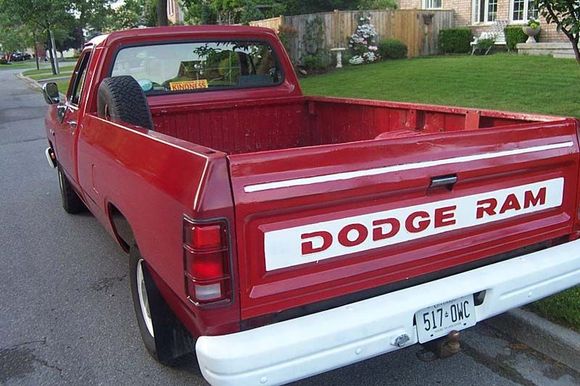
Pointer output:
312, 344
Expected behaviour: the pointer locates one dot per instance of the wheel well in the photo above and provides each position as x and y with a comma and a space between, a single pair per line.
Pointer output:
121, 228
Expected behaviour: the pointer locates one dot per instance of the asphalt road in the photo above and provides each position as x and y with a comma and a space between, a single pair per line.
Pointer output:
65, 308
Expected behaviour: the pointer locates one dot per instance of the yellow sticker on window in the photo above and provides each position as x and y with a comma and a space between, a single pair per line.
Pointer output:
188, 85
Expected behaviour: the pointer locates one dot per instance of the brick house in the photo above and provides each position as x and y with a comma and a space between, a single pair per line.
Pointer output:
482, 15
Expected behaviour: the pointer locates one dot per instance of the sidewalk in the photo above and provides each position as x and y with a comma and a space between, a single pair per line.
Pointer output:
550, 339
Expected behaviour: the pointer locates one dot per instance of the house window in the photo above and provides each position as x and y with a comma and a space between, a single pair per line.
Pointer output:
484, 11
432, 4
523, 10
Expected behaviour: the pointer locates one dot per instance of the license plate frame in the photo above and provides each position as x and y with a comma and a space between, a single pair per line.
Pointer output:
440, 319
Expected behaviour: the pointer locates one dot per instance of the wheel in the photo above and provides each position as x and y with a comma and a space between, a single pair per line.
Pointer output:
163, 335
120, 98
71, 202
142, 309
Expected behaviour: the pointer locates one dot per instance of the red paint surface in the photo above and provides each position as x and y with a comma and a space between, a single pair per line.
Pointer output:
207, 146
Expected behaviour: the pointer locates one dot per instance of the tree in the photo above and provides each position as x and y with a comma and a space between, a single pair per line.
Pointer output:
14, 36
162, 19
90, 15
199, 11
377, 4
297, 7
230, 11
131, 14
150, 12
566, 15
66, 39
41, 15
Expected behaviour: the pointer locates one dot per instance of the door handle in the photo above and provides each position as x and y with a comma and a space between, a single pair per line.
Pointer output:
446, 181
72, 124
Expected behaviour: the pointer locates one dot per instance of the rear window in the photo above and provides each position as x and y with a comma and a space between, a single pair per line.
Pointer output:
199, 66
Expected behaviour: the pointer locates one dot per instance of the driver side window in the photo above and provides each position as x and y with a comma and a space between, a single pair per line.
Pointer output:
78, 79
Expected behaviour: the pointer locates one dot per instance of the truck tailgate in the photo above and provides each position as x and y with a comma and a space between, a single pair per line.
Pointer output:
321, 222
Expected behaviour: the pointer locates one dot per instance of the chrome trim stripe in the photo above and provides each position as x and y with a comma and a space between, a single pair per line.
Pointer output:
398, 168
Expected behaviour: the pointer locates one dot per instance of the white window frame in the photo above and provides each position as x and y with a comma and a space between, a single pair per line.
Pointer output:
428, 4
526, 12
475, 8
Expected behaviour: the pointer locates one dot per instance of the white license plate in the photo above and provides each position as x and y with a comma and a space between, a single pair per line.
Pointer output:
439, 320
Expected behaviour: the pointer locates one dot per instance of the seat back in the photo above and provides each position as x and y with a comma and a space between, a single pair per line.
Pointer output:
498, 29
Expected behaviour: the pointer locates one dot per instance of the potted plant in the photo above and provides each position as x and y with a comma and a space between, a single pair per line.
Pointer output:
532, 29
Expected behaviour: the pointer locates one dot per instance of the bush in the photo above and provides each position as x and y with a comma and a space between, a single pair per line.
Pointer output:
362, 42
319, 61
485, 44
455, 40
287, 35
392, 49
513, 36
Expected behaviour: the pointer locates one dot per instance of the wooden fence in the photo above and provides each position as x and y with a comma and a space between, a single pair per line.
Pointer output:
418, 29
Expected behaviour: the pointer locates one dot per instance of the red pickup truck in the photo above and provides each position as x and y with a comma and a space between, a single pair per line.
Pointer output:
277, 235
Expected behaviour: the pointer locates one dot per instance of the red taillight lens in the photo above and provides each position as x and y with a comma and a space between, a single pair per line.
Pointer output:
205, 266
206, 260
205, 237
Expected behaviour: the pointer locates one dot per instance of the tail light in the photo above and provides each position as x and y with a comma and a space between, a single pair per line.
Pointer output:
206, 261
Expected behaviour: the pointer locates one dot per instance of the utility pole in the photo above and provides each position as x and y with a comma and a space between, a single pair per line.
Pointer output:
50, 52
53, 47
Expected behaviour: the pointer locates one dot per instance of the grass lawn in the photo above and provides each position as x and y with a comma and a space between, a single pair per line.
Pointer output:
501, 82
46, 73
563, 308
18, 65
62, 86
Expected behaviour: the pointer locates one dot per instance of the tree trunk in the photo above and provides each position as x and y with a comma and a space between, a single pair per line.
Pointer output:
162, 13
576, 50
35, 50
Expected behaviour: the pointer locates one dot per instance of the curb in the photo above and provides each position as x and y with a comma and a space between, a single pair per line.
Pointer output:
34, 83
550, 339
31, 81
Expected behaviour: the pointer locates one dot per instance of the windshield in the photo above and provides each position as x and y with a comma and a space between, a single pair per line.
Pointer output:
193, 67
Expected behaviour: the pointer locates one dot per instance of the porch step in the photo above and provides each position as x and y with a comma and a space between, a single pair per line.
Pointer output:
557, 50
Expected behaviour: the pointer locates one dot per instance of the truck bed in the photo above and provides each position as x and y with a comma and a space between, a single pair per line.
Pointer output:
300, 167
284, 123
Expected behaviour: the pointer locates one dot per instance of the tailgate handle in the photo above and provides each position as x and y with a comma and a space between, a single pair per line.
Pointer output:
446, 181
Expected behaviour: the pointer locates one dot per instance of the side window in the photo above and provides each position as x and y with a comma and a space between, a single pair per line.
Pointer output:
78, 79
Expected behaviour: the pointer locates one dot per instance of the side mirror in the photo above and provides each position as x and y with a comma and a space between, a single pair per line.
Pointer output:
50, 92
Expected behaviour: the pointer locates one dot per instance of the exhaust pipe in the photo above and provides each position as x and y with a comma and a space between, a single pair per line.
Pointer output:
441, 348
50, 157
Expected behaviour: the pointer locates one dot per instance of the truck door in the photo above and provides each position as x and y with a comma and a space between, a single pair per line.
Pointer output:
66, 131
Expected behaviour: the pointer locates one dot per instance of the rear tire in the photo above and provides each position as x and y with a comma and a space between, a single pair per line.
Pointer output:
164, 336
71, 202
120, 98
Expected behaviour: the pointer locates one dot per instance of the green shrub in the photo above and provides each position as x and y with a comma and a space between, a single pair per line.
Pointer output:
455, 40
287, 35
513, 36
392, 49
485, 44
319, 61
